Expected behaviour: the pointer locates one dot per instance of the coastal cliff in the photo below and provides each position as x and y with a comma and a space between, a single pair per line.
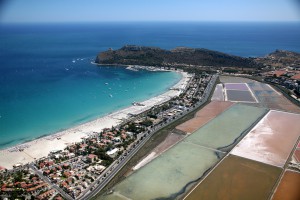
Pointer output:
181, 56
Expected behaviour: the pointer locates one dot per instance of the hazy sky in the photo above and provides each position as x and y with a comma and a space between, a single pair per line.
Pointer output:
148, 10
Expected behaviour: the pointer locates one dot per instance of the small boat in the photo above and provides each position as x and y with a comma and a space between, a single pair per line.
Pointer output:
111, 95
106, 83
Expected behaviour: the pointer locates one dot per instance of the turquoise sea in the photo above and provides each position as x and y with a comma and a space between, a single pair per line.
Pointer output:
47, 81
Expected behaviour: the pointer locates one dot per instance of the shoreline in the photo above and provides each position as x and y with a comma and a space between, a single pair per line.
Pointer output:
40, 147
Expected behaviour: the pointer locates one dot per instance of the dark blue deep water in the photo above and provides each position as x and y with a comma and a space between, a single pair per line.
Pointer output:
47, 81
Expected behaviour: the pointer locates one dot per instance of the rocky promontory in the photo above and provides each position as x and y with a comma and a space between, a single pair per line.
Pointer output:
180, 56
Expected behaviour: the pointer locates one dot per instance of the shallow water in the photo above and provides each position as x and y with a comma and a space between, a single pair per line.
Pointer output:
167, 175
227, 127
239, 96
218, 93
49, 103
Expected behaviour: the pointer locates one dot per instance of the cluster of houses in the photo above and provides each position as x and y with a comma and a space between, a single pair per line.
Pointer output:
27, 184
286, 77
79, 165
77, 168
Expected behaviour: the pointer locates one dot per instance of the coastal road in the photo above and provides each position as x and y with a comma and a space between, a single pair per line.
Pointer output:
112, 170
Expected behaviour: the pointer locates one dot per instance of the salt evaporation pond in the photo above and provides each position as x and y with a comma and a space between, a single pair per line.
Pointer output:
229, 126
237, 178
218, 93
272, 139
184, 164
167, 175
288, 188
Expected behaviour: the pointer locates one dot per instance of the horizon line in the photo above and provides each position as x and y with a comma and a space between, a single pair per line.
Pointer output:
152, 21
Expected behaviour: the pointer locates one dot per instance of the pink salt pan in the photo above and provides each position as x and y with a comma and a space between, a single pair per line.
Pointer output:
272, 139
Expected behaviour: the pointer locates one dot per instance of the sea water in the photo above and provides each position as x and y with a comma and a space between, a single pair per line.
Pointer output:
63, 98
47, 81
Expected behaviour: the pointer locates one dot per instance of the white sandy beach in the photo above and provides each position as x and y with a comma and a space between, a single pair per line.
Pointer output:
41, 147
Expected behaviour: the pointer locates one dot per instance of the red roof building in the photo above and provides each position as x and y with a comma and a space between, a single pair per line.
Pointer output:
279, 73
92, 157
296, 77
67, 174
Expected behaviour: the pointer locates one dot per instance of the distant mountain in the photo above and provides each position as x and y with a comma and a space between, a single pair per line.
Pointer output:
181, 56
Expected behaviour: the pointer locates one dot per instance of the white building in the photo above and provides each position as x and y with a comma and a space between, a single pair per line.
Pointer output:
112, 153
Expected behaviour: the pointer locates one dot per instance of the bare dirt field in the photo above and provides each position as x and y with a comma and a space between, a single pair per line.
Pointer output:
204, 115
237, 178
172, 139
288, 188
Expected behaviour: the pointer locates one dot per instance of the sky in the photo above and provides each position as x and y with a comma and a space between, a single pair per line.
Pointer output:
42, 11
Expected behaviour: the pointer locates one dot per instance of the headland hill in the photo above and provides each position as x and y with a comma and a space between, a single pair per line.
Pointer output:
178, 57
191, 59
280, 68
